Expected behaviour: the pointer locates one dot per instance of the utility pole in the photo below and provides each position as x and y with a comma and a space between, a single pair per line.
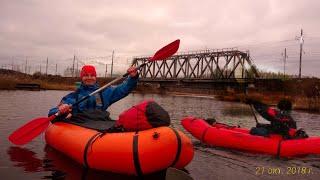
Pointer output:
47, 66
40, 69
25, 67
105, 75
74, 58
12, 64
284, 62
77, 70
112, 63
56, 68
301, 46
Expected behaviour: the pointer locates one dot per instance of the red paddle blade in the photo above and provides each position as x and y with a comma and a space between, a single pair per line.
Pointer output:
30, 130
166, 51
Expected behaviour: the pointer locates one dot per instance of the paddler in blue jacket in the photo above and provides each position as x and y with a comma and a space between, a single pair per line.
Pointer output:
100, 101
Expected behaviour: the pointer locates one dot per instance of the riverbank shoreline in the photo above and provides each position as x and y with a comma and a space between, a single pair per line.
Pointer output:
304, 102
299, 103
306, 98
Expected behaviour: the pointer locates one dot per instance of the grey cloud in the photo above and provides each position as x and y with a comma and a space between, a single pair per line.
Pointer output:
59, 29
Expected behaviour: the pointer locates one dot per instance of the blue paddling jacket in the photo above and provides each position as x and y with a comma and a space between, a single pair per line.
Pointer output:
100, 100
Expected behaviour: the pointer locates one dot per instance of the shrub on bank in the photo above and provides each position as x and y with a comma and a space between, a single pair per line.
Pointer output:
7, 83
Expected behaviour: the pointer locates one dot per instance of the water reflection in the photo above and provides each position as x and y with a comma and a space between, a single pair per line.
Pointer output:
37, 161
237, 111
62, 167
23, 157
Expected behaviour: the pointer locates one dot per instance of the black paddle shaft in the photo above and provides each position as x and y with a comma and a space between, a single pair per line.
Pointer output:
251, 108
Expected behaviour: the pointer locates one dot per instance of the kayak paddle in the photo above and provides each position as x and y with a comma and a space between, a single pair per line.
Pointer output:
36, 126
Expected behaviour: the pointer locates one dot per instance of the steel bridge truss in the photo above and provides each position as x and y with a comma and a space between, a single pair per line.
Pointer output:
200, 65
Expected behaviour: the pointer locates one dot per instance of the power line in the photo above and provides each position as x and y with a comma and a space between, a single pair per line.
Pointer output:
267, 42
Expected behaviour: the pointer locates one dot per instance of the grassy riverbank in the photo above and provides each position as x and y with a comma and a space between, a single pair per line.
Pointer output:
311, 104
8, 81
304, 94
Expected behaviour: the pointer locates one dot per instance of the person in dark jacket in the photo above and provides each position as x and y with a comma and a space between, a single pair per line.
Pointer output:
281, 121
100, 101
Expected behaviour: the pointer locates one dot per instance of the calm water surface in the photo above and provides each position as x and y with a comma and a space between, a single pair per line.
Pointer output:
38, 161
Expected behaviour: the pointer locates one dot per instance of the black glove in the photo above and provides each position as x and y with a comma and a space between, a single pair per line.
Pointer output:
252, 101
248, 101
300, 134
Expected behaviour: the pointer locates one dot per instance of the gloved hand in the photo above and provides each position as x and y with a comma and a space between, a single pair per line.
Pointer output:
65, 109
132, 71
248, 100
260, 125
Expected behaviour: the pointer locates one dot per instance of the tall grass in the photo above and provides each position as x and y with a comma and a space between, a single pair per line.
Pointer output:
9, 82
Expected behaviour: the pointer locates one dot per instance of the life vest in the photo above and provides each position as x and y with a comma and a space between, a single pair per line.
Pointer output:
94, 102
145, 115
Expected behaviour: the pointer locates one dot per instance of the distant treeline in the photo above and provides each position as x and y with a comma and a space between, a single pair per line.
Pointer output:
272, 75
9, 79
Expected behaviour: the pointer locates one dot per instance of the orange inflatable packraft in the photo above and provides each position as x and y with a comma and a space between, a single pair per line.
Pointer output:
134, 153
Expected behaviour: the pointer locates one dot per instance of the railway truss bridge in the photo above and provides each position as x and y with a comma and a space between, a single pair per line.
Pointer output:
200, 69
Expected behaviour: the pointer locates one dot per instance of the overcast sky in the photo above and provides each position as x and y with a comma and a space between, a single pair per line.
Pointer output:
61, 28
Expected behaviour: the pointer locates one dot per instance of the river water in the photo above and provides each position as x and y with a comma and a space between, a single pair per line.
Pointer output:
36, 160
